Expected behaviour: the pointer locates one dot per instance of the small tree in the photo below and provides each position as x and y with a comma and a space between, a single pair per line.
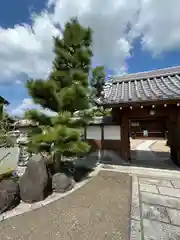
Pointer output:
65, 92
97, 82
6, 125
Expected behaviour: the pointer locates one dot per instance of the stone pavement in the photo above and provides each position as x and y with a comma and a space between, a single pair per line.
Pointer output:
155, 209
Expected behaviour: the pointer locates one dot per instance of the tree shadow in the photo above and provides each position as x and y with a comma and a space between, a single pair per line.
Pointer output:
110, 157
77, 172
152, 159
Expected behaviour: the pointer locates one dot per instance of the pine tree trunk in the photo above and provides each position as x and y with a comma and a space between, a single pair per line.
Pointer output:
57, 162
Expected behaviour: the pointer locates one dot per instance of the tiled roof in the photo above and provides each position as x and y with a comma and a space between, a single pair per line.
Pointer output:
163, 84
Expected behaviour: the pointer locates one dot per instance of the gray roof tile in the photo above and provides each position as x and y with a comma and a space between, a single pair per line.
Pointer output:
163, 84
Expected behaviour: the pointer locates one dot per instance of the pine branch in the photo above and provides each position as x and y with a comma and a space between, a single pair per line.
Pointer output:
44, 93
38, 117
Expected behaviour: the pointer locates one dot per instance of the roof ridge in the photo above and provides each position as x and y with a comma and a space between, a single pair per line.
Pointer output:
146, 74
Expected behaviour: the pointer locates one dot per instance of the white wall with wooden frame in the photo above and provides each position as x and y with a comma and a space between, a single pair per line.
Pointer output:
109, 132
112, 132
93, 132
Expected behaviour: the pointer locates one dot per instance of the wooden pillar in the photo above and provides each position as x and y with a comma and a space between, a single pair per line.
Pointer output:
178, 138
125, 143
174, 137
171, 123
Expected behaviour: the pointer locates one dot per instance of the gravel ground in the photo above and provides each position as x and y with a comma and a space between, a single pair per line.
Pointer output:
160, 146
135, 143
161, 150
99, 210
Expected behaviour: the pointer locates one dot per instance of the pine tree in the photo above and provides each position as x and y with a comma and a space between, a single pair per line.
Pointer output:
97, 82
64, 92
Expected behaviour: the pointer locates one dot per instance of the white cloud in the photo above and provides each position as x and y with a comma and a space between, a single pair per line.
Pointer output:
27, 104
109, 21
28, 49
159, 25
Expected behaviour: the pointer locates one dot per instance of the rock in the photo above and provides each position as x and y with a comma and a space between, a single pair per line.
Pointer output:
9, 195
61, 183
34, 184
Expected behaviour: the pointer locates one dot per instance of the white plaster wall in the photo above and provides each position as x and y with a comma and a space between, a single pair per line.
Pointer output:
93, 132
112, 132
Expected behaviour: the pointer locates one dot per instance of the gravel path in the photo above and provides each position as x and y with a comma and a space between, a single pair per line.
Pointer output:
160, 146
135, 143
99, 210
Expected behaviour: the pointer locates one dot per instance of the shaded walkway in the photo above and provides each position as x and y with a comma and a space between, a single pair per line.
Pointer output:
144, 156
99, 210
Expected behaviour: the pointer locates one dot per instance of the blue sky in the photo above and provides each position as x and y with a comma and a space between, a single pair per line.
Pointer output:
144, 61
27, 49
16, 12
12, 13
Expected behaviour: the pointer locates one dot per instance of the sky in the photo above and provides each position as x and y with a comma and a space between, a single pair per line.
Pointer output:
129, 36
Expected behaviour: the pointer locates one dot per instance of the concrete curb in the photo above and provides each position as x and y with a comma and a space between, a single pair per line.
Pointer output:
136, 224
25, 207
172, 174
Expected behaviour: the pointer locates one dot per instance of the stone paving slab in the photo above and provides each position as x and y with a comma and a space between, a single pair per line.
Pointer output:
174, 216
157, 199
176, 183
158, 214
154, 230
158, 182
149, 188
169, 191
154, 212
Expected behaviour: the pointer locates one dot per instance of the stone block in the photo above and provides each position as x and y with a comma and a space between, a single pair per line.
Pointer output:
174, 215
176, 183
148, 188
172, 192
156, 199
135, 230
154, 212
155, 231
154, 181
9, 195
135, 205
34, 184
